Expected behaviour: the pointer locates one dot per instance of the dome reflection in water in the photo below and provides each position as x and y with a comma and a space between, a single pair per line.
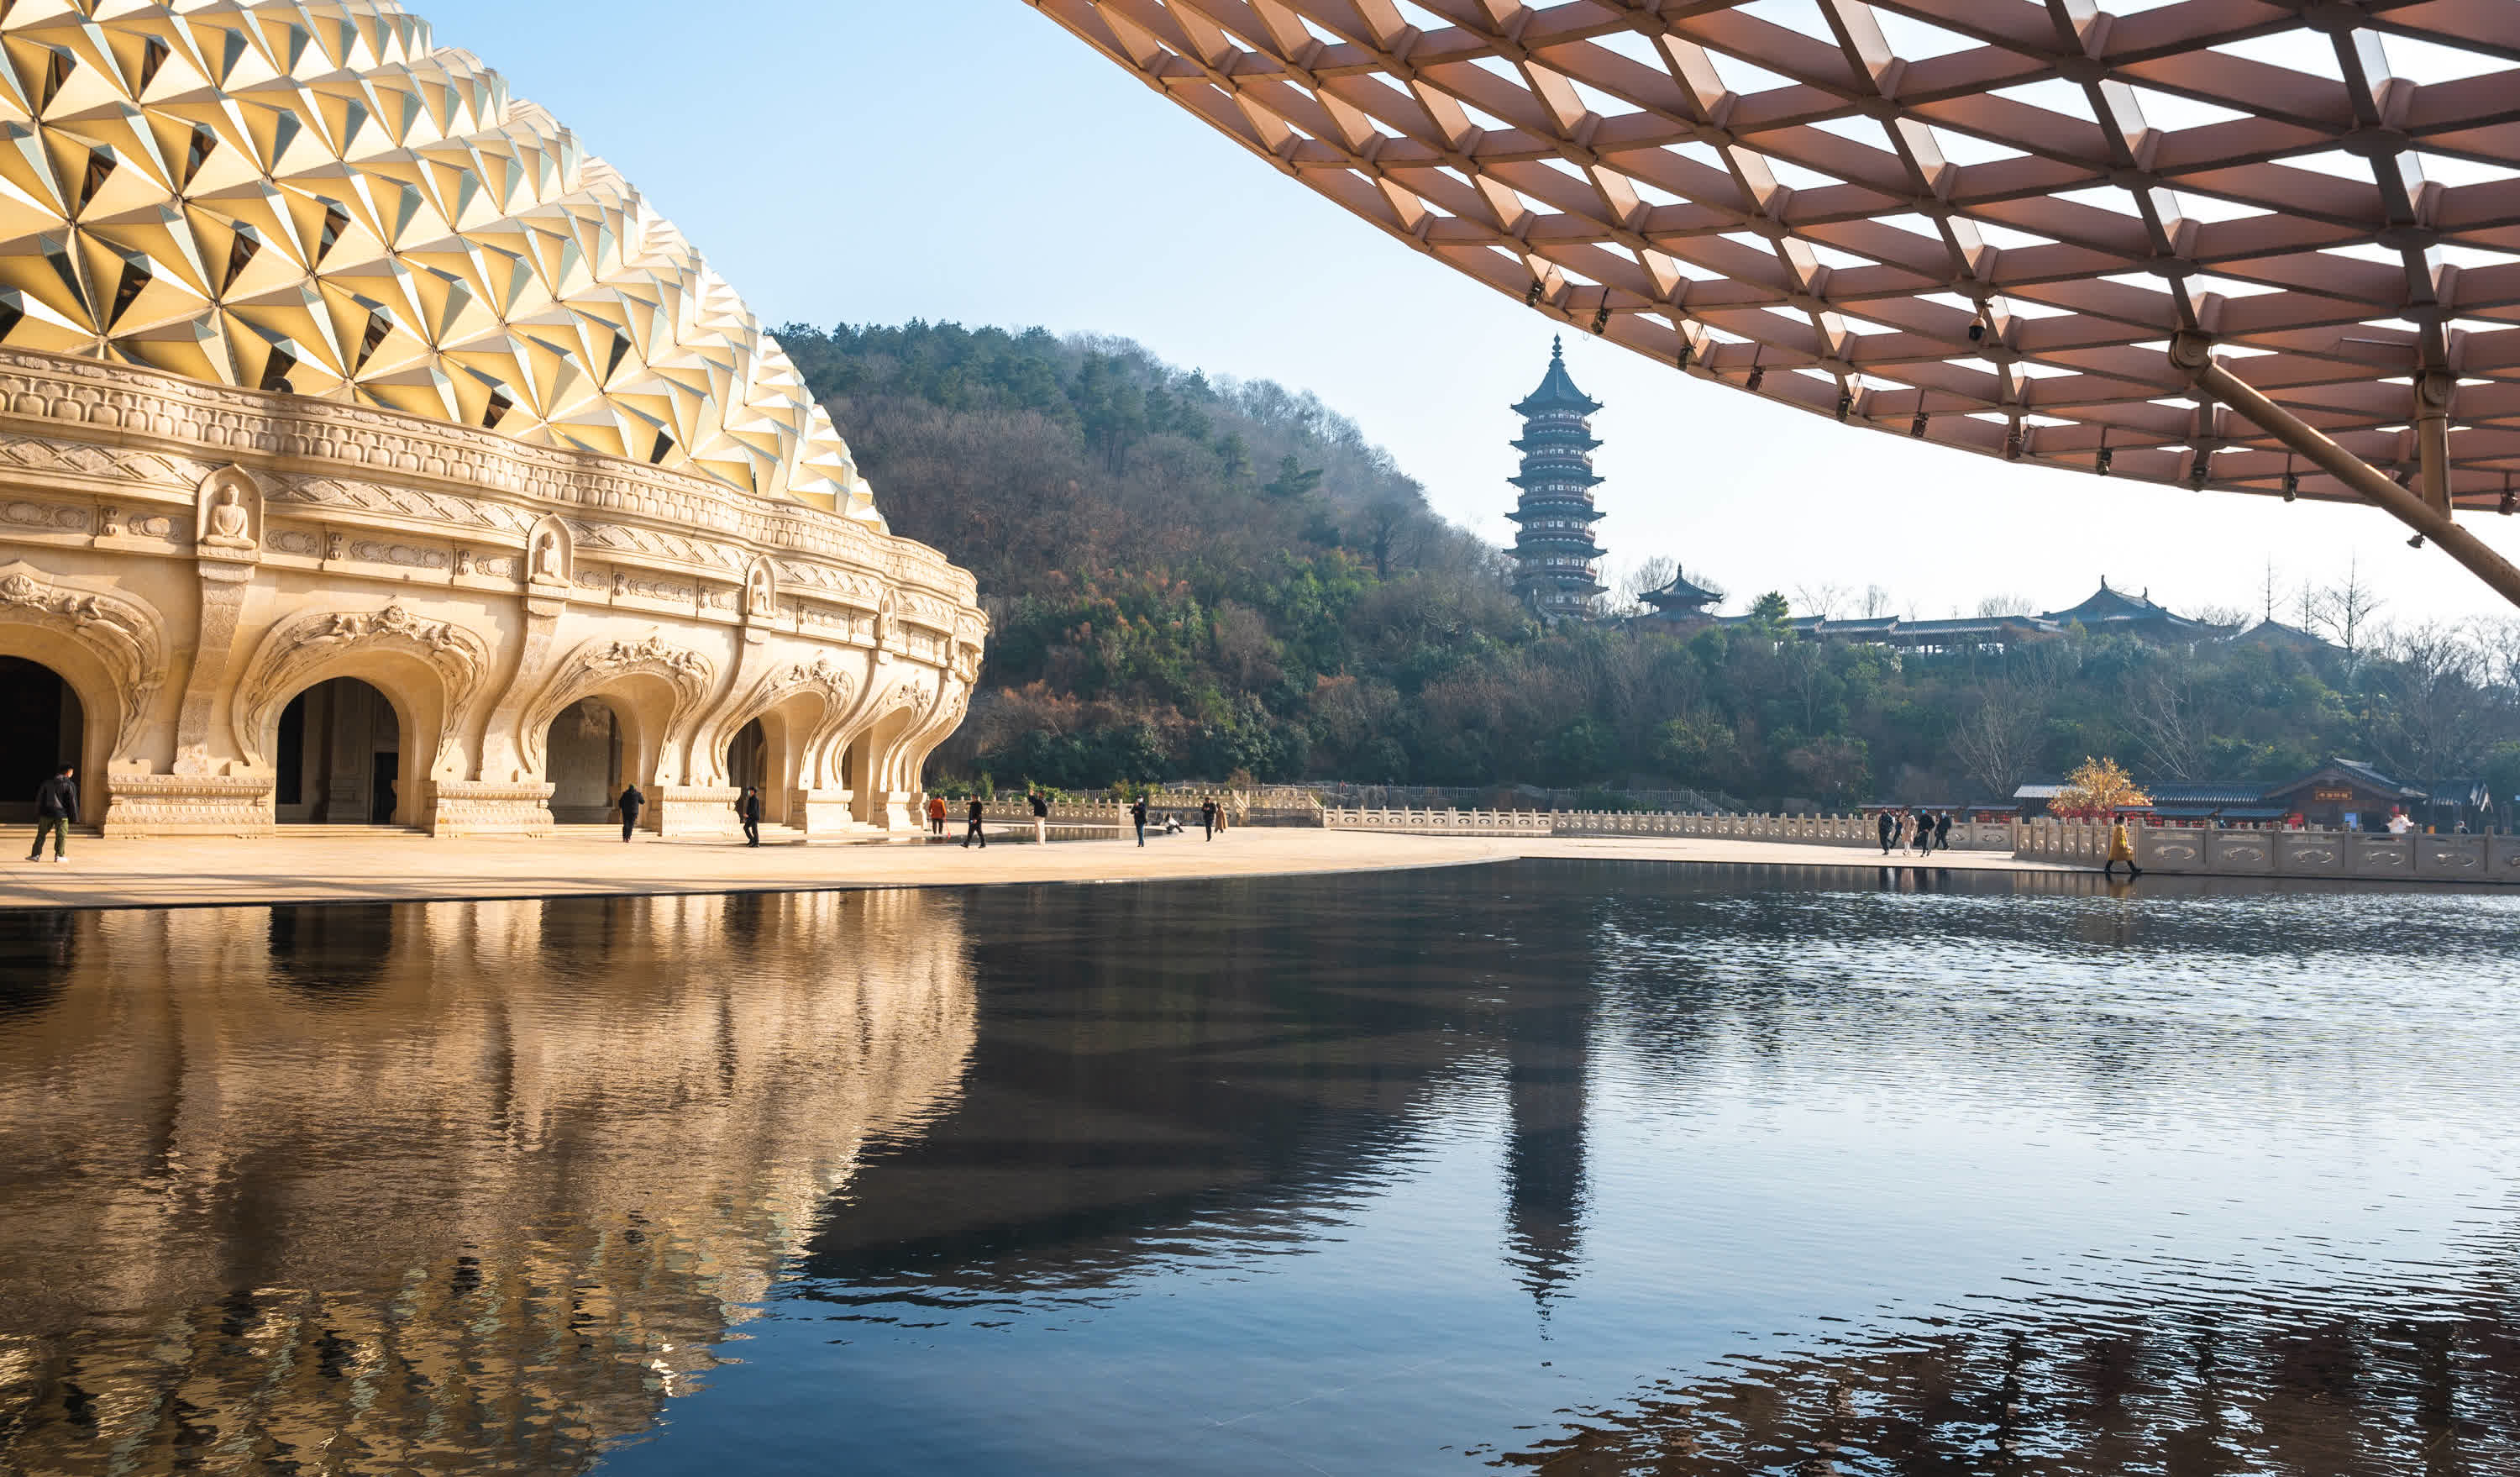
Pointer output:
1569, 1167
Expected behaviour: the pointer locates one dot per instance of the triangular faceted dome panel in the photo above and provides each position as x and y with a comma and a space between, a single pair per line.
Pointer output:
309, 196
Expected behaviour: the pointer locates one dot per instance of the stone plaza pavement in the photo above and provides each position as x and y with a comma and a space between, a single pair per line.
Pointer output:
310, 865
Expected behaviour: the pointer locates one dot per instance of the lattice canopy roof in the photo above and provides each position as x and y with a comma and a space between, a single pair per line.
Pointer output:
309, 196
1979, 222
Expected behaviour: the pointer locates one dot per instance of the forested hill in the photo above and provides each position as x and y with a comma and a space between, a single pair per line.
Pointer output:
1195, 576
1175, 564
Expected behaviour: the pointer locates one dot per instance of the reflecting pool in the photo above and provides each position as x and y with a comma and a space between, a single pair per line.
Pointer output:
1567, 1167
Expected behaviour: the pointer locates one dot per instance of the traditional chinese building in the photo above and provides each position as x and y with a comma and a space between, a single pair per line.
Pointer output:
1679, 602
2115, 613
1556, 563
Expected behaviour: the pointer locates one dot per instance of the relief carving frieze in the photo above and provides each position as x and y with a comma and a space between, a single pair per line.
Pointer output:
42, 388
45, 518
405, 555
113, 464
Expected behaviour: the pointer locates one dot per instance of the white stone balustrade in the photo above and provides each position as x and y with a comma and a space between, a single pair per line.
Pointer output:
2170, 849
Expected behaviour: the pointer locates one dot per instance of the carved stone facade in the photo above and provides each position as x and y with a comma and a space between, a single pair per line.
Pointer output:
190, 557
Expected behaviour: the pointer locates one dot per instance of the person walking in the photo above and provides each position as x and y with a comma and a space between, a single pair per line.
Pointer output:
1925, 832
936, 814
748, 809
1040, 817
632, 802
1888, 828
1138, 813
2121, 849
56, 802
1208, 816
971, 816
1943, 832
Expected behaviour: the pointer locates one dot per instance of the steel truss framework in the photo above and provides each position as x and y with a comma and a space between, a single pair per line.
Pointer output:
2210, 242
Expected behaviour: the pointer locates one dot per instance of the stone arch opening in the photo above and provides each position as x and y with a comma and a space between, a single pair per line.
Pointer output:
588, 757
45, 728
877, 755
343, 759
749, 759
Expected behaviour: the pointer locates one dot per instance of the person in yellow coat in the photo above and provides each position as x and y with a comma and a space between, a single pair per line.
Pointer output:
2121, 849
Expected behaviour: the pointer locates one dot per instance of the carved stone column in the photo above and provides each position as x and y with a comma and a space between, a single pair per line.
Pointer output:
227, 548
502, 743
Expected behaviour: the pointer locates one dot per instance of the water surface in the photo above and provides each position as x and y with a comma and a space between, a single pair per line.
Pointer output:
1576, 1167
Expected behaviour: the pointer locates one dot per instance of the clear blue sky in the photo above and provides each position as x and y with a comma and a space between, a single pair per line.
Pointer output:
855, 160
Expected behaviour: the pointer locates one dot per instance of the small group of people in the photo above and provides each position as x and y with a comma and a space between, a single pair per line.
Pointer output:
747, 811
1211, 819
1920, 830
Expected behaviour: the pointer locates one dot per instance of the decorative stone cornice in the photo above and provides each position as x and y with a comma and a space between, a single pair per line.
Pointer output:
114, 424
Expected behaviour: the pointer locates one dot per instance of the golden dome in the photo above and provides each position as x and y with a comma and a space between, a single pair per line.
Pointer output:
311, 195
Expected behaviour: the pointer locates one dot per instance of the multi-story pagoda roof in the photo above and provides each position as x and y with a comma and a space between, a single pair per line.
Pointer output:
1679, 599
1557, 391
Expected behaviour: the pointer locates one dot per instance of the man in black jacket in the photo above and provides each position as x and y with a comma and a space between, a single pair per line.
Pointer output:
632, 802
748, 810
56, 802
971, 818
1888, 826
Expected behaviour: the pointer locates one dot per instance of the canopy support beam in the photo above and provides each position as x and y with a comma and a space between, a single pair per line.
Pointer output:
2193, 355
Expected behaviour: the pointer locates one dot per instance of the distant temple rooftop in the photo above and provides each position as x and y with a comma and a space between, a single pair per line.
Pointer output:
1680, 600
2110, 610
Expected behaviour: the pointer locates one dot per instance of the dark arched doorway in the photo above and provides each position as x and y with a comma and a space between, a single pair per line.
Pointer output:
747, 758
41, 729
340, 756
582, 758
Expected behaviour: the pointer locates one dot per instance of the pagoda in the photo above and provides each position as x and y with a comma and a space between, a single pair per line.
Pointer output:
1680, 602
1556, 563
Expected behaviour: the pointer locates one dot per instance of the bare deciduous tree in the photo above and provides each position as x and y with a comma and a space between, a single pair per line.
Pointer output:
1998, 740
1874, 602
2347, 610
2432, 721
1648, 574
2166, 714
1825, 601
1996, 606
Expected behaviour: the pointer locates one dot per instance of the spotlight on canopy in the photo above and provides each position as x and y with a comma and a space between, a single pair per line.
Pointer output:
2259, 245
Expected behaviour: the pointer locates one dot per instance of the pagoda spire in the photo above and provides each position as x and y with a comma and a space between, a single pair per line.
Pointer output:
1557, 566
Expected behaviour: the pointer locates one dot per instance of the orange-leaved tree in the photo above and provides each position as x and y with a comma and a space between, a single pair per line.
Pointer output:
2096, 791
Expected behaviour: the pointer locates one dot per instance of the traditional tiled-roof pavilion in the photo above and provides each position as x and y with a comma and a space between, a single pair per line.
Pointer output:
2115, 613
